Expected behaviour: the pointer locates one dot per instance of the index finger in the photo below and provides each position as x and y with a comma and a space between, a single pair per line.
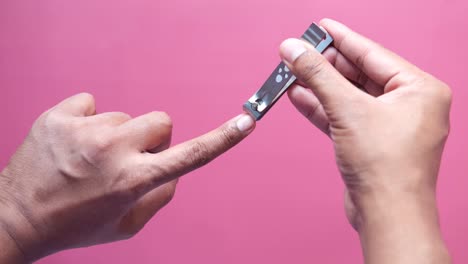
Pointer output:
379, 64
188, 156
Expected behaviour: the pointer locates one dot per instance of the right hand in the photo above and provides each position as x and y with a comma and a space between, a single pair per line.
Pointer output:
388, 136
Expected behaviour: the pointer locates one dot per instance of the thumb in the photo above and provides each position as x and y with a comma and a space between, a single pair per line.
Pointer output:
333, 90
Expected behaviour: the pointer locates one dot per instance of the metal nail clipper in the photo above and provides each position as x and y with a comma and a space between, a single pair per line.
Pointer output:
281, 78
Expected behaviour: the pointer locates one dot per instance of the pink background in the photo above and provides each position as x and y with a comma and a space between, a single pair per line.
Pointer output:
277, 197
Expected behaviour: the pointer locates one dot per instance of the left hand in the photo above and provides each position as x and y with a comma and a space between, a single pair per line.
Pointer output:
82, 179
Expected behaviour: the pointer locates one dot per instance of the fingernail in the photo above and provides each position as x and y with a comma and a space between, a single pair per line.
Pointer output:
245, 123
291, 49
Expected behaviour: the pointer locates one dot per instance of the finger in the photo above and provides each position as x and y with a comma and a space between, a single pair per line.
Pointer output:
148, 131
308, 104
82, 104
165, 144
185, 157
110, 118
378, 63
332, 89
352, 72
147, 206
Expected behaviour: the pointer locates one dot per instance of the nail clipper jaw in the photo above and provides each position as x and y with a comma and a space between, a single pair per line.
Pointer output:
281, 78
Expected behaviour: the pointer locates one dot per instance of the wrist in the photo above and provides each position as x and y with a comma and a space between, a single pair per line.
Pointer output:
18, 236
400, 227
11, 251
385, 189
389, 205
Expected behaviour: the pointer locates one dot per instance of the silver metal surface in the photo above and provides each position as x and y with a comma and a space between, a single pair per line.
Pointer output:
281, 78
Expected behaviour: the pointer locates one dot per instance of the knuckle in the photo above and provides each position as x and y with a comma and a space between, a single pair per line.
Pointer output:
441, 132
88, 98
198, 154
95, 149
362, 79
446, 132
125, 185
311, 112
161, 119
128, 234
169, 191
133, 232
129, 228
158, 173
55, 122
102, 143
134, 181
445, 97
228, 137
51, 118
307, 67
437, 90
123, 116
362, 57
445, 93
165, 120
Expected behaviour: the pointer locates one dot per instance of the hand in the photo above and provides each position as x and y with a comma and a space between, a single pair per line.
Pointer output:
388, 121
81, 179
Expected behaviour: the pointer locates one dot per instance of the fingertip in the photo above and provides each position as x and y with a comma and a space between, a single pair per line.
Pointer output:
335, 28
325, 21
291, 49
245, 123
284, 42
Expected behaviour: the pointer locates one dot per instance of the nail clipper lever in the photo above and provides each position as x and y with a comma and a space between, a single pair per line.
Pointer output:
281, 78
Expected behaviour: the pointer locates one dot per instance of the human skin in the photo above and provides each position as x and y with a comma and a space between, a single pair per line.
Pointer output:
388, 137
81, 178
